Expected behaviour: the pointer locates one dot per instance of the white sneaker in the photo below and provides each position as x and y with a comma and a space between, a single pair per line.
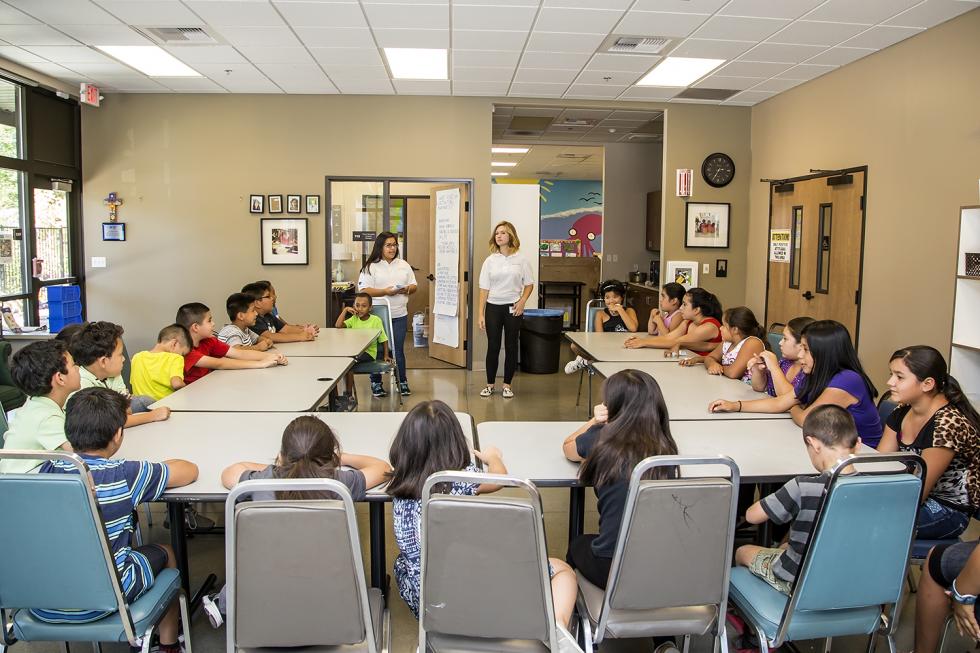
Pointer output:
211, 610
573, 366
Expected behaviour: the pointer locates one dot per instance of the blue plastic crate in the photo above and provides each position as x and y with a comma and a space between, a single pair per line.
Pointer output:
64, 293
56, 324
65, 309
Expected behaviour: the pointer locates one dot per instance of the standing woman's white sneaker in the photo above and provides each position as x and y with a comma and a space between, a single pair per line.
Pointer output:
573, 366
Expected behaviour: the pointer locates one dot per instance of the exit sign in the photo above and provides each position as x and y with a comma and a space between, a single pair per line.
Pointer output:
89, 94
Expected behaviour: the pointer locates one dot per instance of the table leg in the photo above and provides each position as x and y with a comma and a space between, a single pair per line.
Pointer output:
376, 517
178, 541
764, 533
576, 511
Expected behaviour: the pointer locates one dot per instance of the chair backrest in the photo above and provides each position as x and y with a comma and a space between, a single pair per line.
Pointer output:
126, 368
676, 539
594, 306
886, 406
773, 335
5, 378
861, 539
382, 309
282, 557
4, 426
484, 563
45, 515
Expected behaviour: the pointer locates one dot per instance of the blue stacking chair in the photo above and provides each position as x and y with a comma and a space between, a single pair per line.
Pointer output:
774, 335
56, 555
853, 568
591, 309
382, 309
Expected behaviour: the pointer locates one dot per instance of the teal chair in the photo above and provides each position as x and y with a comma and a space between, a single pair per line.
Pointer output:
382, 309
10, 394
773, 336
853, 570
4, 425
46, 516
594, 307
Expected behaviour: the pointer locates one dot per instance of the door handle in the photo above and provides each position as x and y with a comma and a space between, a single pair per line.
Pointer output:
431, 277
808, 295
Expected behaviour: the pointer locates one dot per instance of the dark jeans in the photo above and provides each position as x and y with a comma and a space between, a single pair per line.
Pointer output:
939, 522
397, 343
500, 321
581, 558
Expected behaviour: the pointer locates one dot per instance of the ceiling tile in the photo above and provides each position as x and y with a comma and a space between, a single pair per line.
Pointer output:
869, 13
68, 54
488, 40
394, 2
243, 78
105, 34
840, 56
559, 60
805, 71
711, 48
782, 53
681, 6
259, 36
65, 12
291, 55
104, 70
319, 14
769, 9
357, 73
777, 85
236, 13
366, 88
651, 92
587, 4
152, 12
339, 37
614, 77
564, 42
739, 28
139, 85
930, 13
190, 85
493, 18
464, 74
537, 90
808, 32
19, 55
485, 58
879, 37
54, 70
348, 56
480, 88
735, 83
11, 16
546, 76
623, 62
499, 3
657, 23
751, 96
34, 35
594, 90
643, 116
412, 38
422, 87
193, 54
304, 78
543, 112
752, 69
562, 19
408, 16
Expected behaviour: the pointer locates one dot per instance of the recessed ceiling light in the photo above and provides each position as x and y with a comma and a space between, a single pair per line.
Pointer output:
502, 164
418, 63
499, 174
150, 60
679, 71
509, 150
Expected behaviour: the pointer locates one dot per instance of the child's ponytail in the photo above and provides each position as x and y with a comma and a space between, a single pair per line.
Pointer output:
309, 450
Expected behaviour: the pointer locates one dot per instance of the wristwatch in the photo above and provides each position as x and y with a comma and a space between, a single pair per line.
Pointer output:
965, 599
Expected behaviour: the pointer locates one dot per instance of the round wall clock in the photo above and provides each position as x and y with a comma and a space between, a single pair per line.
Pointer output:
718, 169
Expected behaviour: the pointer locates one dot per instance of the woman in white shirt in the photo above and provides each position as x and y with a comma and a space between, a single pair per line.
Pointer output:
506, 281
386, 275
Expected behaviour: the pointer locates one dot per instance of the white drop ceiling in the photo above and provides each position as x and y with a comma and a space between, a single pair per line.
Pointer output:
515, 48
555, 162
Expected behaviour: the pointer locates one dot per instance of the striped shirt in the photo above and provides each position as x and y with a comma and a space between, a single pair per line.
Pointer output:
120, 486
797, 501
232, 335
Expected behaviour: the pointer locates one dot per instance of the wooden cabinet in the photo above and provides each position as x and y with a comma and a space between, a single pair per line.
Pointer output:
654, 202
964, 359
643, 299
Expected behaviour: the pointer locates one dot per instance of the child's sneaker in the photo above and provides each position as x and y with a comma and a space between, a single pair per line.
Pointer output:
378, 389
210, 607
403, 389
573, 366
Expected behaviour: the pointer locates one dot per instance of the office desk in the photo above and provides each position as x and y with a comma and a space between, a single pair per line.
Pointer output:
330, 342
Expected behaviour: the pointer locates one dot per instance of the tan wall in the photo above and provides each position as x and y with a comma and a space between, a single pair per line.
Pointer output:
911, 114
630, 171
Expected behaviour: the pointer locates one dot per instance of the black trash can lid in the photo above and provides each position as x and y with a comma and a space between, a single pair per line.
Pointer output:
544, 312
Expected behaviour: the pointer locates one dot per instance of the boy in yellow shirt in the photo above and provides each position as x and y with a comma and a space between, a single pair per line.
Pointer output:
160, 371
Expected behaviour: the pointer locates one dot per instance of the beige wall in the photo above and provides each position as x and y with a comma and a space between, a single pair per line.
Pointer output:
630, 171
912, 114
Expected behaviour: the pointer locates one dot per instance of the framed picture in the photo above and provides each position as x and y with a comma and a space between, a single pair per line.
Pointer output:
113, 231
256, 203
292, 203
683, 272
707, 224
285, 241
275, 203
721, 267
312, 203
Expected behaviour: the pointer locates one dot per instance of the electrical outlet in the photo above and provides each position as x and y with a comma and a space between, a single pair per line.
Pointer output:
706, 268
615, 258
98, 262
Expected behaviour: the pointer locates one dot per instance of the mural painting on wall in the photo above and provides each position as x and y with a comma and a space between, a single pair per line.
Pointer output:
571, 209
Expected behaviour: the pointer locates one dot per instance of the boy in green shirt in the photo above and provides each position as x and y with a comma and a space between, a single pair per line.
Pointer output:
359, 316
47, 373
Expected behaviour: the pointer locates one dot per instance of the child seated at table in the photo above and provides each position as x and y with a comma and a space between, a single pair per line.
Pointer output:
830, 436
431, 440
239, 334
98, 351
269, 323
309, 449
701, 311
359, 316
614, 318
741, 341
208, 353
668, 319
776, 377
158, 372
94, 426
46, 372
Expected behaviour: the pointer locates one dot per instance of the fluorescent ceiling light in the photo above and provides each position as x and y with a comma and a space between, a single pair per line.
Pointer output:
503, 164
418, 63
679, 71
149, 60
499, 174
509, 150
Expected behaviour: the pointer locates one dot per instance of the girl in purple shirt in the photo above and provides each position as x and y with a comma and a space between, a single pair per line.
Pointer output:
778, 377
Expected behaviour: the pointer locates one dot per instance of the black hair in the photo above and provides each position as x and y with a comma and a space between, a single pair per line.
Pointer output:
378, 250
429, 440
257, 288
93, 341
612, 285
33, 366
238, 302
69, 331
638, 427
796, 326
926, 362
743, 319
832, 351
674, 290
193, 313
365, 295
178, 331
706, 301
832, 425
93, 416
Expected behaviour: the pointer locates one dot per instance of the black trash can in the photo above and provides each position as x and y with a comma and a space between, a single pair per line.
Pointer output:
541, 340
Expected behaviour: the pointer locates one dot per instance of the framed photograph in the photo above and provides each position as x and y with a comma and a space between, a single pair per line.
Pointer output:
292, 203
312, 203
683, 272
721, 267
707, 224
275, 203
256, 203
285, 241
113, 231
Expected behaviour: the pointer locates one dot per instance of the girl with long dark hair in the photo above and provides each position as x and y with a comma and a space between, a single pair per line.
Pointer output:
741, 341
701, 310
779, 376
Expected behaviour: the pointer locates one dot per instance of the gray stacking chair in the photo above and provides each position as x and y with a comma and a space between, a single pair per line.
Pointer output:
295, 577
485, 583
670, 570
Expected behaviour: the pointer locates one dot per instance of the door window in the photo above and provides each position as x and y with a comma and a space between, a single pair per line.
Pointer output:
823, 248
795, 247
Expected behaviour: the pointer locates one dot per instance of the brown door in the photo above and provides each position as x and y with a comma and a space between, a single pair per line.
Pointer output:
822, 278
439, 245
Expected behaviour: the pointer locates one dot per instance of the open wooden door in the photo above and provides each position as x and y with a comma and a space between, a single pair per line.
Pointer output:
449, 206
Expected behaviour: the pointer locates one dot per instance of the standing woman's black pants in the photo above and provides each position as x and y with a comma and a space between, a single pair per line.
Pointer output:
499, 320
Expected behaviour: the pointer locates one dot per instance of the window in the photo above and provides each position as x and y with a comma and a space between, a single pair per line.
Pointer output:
823, 248
51, 236
10, 100
795, 247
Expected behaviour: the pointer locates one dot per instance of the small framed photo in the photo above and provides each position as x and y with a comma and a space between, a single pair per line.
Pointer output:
707, 224
292, 203
275, 203
285, 241
312, 203
256, 203
113, 231
683, 272
721, 267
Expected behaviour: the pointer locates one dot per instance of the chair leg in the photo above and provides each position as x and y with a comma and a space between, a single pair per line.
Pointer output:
891, 644
826, 644
185, 620
149, 516
763, 641
942, 638
872, 641
96, 647
147, 640
686, 647
62, 645
578, 395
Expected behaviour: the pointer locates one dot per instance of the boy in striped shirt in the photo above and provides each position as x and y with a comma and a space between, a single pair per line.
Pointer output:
830, 436
94, 426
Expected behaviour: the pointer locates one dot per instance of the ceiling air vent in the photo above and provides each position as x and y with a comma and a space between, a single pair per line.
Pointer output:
179, 35
635, 44
718, 94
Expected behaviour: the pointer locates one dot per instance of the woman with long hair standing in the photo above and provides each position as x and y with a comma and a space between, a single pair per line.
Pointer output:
506, 281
